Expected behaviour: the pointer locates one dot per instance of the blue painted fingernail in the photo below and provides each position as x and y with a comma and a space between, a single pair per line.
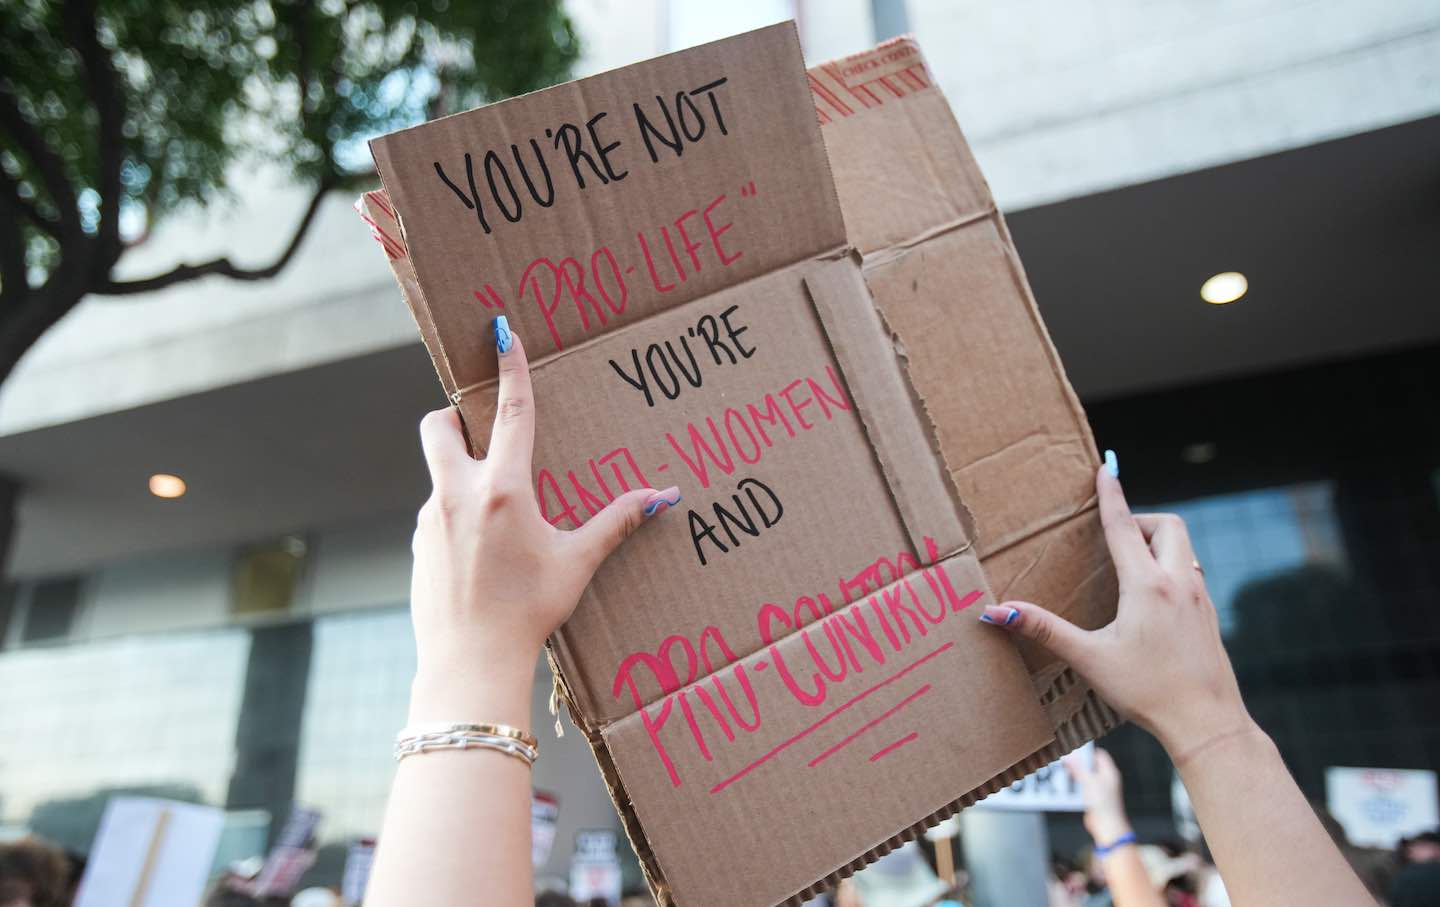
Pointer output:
661, 500
1112, 463
999, 615
503, 338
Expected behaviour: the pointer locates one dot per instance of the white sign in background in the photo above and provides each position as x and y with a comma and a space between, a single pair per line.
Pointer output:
1379, 806
150, 853
544, 814
1051, 789
595, 869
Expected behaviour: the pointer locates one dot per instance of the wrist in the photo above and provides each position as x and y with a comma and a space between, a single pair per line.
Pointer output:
1181, 734
491, 691
1103, 848
1238, 738
1107, 829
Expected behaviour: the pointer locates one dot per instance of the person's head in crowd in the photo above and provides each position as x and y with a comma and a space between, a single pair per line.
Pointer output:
1171, 873
1416, 885
77, 872
1422, 848
34, 873
228, 891
553, 899
224, 896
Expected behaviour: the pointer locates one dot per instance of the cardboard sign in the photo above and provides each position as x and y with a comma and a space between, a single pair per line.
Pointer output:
291, 857
1379, 806
150, 853
1052, 789
799, 636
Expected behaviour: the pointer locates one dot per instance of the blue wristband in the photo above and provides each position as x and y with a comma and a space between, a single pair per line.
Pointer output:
1104, 850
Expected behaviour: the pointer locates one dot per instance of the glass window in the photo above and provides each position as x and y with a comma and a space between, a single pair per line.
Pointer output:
358, 695
1240, 538
151, 714
1327, 607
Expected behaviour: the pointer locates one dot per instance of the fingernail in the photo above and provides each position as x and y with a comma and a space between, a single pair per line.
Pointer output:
503, 338
661, 500
1000, 615
1112, 463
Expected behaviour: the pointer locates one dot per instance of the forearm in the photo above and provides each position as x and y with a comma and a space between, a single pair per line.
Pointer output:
1125, 874
1129, 883
1267, 842
457, 828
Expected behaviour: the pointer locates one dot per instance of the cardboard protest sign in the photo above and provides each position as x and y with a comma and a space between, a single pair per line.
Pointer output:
150, 853
795, 651
290, 858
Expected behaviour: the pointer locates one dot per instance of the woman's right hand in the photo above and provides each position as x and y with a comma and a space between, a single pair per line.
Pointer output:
1161, 661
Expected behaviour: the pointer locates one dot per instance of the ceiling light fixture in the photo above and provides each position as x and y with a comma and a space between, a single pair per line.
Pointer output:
1224, 287
164, 485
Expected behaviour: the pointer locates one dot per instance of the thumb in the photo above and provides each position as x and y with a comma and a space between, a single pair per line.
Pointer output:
604, 532
1063, 639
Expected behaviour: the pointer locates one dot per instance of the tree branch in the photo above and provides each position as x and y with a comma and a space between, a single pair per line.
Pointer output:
49, 165
13, 282
27, 208
222, 266
104, 85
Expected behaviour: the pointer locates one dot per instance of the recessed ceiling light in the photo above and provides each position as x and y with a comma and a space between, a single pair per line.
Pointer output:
164, 485
1224, 287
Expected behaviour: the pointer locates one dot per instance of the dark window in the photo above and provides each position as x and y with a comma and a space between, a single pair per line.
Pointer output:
7, 610
53, 606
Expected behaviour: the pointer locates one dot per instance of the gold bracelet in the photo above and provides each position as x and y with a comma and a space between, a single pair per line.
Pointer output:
442, 727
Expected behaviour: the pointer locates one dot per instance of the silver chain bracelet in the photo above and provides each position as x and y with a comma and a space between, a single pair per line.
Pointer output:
422, 743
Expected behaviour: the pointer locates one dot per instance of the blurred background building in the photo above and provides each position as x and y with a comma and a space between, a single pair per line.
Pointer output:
246, 645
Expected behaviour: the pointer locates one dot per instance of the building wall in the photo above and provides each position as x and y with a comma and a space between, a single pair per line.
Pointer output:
1061, 98
145, 694
1058, 97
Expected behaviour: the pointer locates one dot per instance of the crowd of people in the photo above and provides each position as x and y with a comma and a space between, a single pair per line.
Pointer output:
34, 873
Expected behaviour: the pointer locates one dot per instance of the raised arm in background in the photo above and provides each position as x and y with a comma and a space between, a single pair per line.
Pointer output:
492, 580
1162, 664
1109, 826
